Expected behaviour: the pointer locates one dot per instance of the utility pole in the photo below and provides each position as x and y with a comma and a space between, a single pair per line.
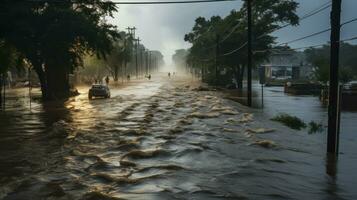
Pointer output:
141, 60
136, 55
147, 61
250, 61
334, 105
217, 54
150, 62
131, 31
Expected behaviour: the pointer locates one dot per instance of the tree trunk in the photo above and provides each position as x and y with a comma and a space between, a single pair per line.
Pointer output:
241, 76
57, 80
236, 70
116, 73
37, 65
1, 85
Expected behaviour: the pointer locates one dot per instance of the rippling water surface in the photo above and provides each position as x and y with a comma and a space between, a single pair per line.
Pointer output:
160, 140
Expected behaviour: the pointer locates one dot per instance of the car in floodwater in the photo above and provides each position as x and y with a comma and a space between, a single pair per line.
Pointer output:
99, 90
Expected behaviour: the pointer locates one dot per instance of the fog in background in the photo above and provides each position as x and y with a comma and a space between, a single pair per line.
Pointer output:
162, 27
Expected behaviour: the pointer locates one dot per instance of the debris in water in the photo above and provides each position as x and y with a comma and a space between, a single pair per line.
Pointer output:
290, 121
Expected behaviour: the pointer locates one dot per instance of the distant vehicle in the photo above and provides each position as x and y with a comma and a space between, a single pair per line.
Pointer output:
99, 90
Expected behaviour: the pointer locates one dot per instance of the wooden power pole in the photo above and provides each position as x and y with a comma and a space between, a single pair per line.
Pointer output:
334, 101
217, 55
250, 61
137, 41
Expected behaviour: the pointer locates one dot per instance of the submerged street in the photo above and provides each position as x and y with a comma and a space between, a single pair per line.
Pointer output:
159, 139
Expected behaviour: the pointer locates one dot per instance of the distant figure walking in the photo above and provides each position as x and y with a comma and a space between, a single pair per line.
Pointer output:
128, 77
107, 80
169, 74
149, 77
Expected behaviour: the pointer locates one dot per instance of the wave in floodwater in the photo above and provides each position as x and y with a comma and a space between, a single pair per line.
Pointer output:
158, 140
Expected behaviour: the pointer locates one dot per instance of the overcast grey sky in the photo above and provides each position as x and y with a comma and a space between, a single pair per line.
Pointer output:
162, 27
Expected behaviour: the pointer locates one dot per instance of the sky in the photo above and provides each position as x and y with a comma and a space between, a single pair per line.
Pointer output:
162, 27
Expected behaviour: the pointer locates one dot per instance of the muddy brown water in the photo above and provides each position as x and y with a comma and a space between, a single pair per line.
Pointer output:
160, 140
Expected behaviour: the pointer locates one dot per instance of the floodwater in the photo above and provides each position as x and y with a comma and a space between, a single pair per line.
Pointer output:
161, 140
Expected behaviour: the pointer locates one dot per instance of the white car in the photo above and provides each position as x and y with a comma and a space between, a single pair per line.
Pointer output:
99, 90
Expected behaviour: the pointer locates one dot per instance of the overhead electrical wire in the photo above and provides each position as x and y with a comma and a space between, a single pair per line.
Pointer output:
304, 17
301, 38
306, 47
136, 2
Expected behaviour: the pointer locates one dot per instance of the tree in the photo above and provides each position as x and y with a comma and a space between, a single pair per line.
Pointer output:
320, 58
180, 58
9, 58
120, 55
268, 15
54, 37
94, 69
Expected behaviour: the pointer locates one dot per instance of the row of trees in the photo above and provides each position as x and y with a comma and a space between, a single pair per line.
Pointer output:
128, 58
213, 40
53, 37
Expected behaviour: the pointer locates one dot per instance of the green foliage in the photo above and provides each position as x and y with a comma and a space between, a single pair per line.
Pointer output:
290, 121
346, 75
122, 53
9, 58
268, 16
322, 70
315, 127
180, 58
320, 58
57, 35
94, 68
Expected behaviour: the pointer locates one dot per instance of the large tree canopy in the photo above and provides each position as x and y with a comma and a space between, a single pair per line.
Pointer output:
231, 32
320, 58
54, 36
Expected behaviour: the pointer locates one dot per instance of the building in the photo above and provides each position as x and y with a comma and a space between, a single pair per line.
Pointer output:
287, 65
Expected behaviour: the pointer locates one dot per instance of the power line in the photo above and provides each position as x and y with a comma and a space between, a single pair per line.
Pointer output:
137, 2
305, 37
349, 21
306, 16
306, 47
349, 39
317, 33
235, 50
316, 11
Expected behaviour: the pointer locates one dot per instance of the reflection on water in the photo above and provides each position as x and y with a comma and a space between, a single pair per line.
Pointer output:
160, 140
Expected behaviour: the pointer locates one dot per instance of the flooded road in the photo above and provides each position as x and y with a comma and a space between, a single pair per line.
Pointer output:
161, 140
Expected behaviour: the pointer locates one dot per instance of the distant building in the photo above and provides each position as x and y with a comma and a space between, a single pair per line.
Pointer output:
287, 65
